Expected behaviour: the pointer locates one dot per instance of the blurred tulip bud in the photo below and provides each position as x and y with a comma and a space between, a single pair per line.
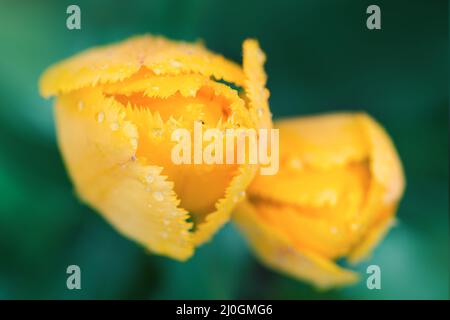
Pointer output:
335, 196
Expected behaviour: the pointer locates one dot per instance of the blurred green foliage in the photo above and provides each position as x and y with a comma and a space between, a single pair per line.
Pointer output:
321, 57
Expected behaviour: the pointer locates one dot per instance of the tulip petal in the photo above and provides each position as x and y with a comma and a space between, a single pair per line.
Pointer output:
255, 83
276, 251
323, 141
387, 188
99, 146
385, 161
116, 62
374, 235
233, 195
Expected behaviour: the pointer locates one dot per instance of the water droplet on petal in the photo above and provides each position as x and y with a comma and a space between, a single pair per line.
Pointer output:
80, 105
100, 117
114, 126
149, 178
158, 196
164, 235
176, 63
260, 112
333, 230
239, 196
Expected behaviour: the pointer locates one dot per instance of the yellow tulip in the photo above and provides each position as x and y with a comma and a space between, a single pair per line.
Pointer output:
335, 196
116, 108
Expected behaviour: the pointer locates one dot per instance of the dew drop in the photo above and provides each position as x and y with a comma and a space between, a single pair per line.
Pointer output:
164, 235
158, 196
239, 196
260, 112
333, 230
100, 117
156, 88
80, 105
114, 126
149, 178
166, 222
176, 64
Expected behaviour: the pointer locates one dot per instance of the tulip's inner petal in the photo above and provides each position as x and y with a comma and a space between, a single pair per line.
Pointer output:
117, 62
234, 194
277, 251
155, 145
99, 145
171, 95
159, 105
212, 109
153, 86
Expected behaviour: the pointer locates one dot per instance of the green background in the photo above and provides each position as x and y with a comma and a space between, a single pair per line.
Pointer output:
321, 57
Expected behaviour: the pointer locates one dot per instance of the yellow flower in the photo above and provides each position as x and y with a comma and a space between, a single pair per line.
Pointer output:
335, 196
115, 111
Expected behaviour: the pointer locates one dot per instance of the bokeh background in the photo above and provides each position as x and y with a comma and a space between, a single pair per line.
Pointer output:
321, 57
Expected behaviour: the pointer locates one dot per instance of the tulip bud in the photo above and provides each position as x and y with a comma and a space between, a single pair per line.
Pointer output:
335, 196
117, 108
